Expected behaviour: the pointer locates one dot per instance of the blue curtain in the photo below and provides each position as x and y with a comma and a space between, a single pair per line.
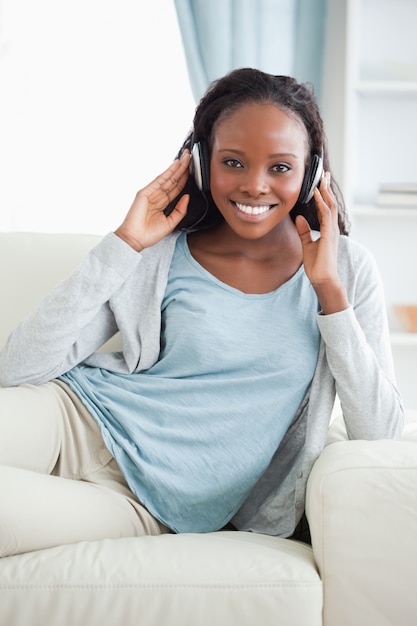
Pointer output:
276, 36
308, 41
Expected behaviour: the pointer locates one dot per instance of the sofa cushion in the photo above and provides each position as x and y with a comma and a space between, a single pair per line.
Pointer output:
361, 505
218, 579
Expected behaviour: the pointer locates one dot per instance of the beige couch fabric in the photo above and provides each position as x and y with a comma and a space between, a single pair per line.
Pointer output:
220, 579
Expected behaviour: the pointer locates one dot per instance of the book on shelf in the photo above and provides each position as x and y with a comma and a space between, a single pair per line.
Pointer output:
397, 195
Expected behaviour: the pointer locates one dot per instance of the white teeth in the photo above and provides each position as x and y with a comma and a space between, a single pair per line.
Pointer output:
252, 210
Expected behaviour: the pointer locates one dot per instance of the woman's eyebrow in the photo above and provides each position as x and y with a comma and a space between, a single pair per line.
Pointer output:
271, 156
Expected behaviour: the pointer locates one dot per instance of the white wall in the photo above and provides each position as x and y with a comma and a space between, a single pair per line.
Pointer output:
94, 103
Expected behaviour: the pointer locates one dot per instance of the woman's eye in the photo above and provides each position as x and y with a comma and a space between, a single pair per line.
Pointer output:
280, 168
232, 163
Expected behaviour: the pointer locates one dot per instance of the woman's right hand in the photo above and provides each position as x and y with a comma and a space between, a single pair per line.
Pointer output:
146, 223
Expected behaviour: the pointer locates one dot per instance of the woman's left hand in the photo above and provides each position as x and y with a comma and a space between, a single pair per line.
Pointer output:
320, 255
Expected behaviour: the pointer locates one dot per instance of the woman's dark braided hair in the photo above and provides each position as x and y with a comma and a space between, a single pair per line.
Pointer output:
224, 97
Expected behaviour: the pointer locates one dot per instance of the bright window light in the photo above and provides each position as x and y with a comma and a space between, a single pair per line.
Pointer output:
95, 102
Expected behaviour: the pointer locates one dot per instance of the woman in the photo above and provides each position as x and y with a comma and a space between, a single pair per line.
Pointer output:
243, 307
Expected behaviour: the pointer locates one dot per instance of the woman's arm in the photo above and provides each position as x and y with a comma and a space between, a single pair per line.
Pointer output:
76, 318
358, 351
353, 324
72, 322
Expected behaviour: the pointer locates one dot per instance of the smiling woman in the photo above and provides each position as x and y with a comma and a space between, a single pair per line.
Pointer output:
218, 405
84, 92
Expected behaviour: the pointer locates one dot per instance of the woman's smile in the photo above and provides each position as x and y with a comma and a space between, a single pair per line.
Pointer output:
253, 209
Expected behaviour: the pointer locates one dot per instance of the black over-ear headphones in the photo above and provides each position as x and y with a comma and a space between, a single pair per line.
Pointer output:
312, 178
200, 165
200, 169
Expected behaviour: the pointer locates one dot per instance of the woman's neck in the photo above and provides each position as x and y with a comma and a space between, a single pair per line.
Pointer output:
250, 265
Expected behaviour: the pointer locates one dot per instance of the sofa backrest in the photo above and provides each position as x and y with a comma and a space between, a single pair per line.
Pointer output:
31, 264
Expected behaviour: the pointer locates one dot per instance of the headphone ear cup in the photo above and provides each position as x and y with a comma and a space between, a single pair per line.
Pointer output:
200, 165
312, 178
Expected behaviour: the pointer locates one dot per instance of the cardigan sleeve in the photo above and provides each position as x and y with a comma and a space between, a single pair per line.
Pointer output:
73, 321
358, 351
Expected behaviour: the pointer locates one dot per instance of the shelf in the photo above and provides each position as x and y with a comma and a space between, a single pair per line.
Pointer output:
376, 211
386, 87
399, 339
369, 95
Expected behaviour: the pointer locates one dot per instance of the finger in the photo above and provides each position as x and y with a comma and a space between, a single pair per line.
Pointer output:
173, 173
181, 165
179, 212
303, 230
174, 178
167, 186
326, 204
327, 196
324, 187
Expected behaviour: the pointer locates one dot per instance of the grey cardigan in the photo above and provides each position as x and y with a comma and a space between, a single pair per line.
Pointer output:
117, 289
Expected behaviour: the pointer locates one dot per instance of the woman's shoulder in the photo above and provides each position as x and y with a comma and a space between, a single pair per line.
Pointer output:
352, 250
161, 251
115, 253
356, 261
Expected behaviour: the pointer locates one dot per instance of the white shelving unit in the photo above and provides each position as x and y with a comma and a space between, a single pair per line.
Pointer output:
369, 106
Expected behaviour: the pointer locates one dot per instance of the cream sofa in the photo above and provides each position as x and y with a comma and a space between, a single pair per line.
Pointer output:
361, 505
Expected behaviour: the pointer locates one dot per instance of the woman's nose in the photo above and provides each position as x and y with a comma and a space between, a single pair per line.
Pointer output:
254, 183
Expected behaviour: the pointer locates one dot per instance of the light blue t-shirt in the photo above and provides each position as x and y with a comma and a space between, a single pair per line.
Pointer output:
193, 434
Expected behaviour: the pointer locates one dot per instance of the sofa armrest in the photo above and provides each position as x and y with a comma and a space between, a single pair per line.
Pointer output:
362, 510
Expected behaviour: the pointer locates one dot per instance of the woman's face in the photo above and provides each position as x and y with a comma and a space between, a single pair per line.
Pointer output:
257, 167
